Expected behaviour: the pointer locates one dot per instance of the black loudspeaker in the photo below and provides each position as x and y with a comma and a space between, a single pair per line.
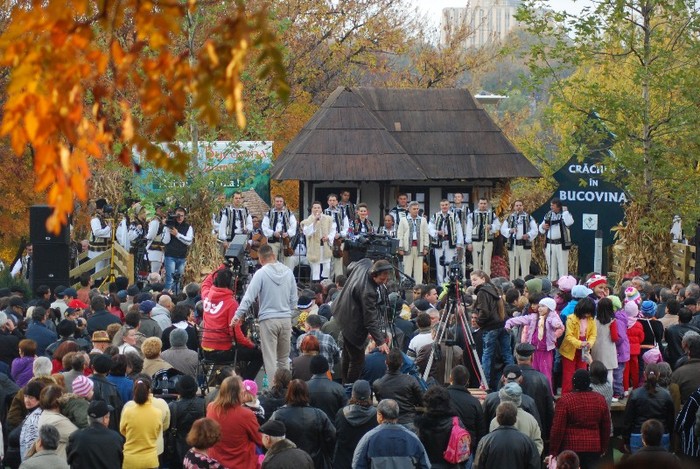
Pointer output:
38, 214
50, 265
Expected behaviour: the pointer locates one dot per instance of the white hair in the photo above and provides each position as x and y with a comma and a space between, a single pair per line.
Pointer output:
42, 366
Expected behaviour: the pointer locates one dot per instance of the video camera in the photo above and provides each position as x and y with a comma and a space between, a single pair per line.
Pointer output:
171, 220
108, 209
375, 246
455, 272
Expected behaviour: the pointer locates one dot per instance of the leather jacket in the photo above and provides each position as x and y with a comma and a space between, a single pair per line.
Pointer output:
487, 306
404, 389
356, 307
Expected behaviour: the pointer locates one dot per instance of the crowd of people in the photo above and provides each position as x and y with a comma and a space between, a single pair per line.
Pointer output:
353, 370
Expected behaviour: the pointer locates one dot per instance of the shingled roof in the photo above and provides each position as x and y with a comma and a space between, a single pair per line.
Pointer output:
377, 134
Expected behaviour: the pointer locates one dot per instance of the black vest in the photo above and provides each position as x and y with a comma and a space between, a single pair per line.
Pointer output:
176, 248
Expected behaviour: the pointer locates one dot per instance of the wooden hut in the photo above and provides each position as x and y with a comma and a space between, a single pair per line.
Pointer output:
377, 143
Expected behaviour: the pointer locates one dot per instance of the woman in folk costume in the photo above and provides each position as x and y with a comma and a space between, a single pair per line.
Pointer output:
319, 230
544, 327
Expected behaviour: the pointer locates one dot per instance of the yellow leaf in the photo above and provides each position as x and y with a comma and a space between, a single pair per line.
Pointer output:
31, 125
65, 159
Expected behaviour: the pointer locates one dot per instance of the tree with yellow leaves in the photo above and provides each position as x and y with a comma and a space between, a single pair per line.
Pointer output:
73, 63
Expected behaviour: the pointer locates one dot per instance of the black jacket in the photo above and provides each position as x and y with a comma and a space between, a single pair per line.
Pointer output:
356, 307
326, 395
434, 432
100, 320
95, 447
536, 385
271, 400
351, 424
404, 389
507, 447
311, 430
103, 390
183, 413
9, 345
470, 412
642, 406
285, 455
486, 305
674, 336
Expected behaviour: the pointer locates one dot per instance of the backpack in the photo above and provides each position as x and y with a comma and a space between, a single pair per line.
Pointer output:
459, 446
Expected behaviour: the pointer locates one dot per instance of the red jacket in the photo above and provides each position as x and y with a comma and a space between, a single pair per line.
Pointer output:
239, 435
636, 337
581, 423
219, 308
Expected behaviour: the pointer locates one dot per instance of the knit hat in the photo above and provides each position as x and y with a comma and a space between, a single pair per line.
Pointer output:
648, 308
596, 280
631, 309
546, 285
566, 283
534, 285
616, 302
511, 392
631, 294
582, 380
82, 386
580, 291
251, 387
549, 303
147, 306
361, 390
121, 294
422, 305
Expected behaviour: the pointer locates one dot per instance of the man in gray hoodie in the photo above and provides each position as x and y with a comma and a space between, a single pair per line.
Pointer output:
275, 288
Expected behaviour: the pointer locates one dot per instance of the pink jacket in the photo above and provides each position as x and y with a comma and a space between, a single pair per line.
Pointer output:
553, 327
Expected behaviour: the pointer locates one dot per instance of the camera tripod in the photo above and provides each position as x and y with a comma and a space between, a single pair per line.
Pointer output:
456, 307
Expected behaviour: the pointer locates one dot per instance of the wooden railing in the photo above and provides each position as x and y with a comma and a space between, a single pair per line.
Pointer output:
684, 259
123, 266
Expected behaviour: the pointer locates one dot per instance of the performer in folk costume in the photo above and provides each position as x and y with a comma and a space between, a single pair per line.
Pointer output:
362, 224
235, 219
389, 228
519, 229
132, 228
154, 246
342, 227
401, 210
482, 225
448, 237
347, 206
461, 211
100, 239
279, 225
320, 231
555, 227
414, 242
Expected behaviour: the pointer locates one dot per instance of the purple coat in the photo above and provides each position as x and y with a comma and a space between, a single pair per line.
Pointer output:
623, 342
22, 370
553, 327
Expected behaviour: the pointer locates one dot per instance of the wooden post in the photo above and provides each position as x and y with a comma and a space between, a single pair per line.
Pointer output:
697, 250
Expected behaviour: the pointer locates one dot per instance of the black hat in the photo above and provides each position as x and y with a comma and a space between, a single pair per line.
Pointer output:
70, 292
60, 290
512, 372
422, 305
100, 203
133, 290
380, 266
273, 428
186, 385
102, 364
305, 302
525, 350
33, 388
361, 390
582, 380
98, 409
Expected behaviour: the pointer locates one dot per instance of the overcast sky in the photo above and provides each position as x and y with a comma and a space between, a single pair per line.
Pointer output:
435, 6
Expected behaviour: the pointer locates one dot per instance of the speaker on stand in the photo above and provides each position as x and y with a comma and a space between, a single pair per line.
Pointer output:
51, 256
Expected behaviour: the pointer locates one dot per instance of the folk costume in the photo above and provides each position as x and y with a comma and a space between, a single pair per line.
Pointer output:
481, 228
557, 242
319, 252
414, 239
155, 247
279, 221
100, 239
445, 245
342, 227
519, 249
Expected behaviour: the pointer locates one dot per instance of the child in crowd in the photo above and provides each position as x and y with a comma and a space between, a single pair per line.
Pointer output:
543, 328
623, 348
581, 334
605, 350
635, 334
250, 400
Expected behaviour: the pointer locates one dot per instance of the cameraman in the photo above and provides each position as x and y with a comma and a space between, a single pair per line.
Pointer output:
221, 341
100, 233
177, 240
358, 315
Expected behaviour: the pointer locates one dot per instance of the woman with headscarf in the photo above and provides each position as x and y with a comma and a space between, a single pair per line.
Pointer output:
581, 422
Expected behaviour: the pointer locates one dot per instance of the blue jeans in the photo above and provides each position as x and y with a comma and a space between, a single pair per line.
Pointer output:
172, 265
492, 339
